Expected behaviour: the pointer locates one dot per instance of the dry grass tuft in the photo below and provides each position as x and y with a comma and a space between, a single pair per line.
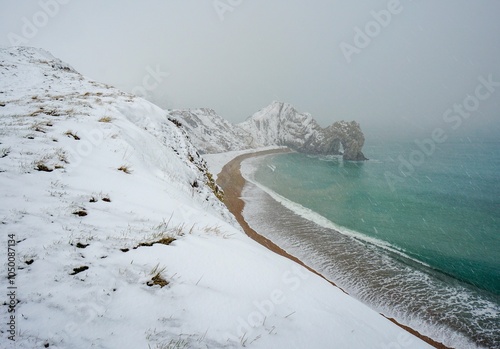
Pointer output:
70, 133
4, 152
125, 168
106, 119
164, 241
157, 279
40, 166
80, 213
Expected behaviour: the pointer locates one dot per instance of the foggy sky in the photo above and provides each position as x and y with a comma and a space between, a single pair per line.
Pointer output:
238, 57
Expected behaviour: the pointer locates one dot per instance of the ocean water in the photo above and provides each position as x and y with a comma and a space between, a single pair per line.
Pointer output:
414, 233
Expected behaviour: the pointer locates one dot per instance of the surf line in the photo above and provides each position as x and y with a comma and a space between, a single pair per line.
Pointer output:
232, 183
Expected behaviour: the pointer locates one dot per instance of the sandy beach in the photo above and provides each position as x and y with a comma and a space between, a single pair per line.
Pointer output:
232, 182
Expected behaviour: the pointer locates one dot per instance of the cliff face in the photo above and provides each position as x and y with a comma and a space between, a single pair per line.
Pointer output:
278, 124
347, 134
208, 131
281, 124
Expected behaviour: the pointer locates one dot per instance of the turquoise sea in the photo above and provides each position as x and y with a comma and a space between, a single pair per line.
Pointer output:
414, 232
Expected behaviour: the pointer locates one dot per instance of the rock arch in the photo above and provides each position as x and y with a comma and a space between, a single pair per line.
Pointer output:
328, 141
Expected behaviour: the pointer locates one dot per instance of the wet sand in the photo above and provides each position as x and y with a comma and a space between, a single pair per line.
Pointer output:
232, 182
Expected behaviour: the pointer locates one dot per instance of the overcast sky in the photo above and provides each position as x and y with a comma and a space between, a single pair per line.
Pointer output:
396, 65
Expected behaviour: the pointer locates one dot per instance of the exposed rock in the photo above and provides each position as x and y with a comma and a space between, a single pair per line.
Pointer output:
349, 135
282, 124
277, 124
208, 131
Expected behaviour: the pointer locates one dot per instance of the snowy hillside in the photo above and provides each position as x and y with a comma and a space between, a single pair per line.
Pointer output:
281, 124
119, 240
278, 124
209, 132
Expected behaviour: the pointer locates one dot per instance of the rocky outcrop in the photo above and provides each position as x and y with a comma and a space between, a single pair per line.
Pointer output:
345, 134
281, 124
208, 131
351, 138
278, 124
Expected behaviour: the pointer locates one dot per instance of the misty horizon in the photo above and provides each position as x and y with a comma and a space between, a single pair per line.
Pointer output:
390, 65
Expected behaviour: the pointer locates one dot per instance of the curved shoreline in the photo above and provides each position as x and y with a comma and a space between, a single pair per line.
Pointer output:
232, 182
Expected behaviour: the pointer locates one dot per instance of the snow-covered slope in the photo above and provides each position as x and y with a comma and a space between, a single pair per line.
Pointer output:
119, 240
280, 123
208, 131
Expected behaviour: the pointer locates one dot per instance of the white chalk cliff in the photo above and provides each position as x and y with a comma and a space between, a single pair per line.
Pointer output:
278, 124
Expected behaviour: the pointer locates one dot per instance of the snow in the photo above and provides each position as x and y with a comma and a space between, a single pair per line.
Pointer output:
280, 123
208, 131
217, 161
224, 290
275, 125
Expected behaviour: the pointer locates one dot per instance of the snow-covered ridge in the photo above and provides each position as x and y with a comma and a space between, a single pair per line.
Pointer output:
208, 131
121, 242
45, 99
278, 124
